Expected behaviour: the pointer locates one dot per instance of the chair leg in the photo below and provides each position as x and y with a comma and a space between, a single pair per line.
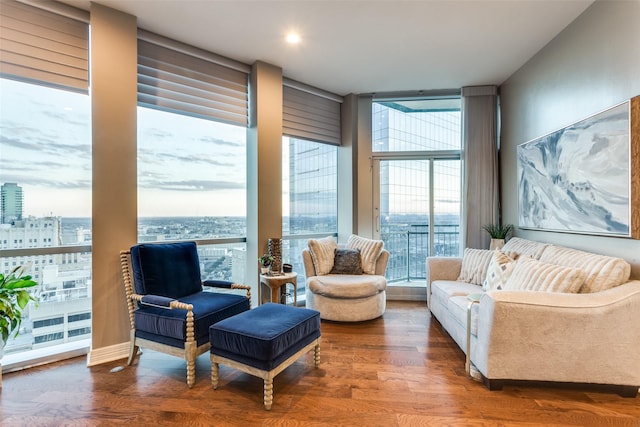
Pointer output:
190, 357
133, 348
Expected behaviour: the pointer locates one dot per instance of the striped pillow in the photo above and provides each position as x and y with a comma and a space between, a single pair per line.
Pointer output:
370, 250
532, 275
322, 253
475, 263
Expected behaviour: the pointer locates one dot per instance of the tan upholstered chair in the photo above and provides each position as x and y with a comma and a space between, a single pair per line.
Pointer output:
345, 297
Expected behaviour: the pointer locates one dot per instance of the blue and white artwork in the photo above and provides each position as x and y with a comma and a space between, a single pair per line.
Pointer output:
577, 179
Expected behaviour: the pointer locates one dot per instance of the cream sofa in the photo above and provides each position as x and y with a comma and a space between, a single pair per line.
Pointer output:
590, 337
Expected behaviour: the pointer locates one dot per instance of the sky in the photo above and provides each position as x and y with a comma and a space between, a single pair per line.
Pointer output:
186, 166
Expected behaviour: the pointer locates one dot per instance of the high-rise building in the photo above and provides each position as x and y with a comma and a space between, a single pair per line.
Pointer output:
11, 196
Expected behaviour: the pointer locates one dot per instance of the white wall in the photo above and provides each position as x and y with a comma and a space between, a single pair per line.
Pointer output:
592, 65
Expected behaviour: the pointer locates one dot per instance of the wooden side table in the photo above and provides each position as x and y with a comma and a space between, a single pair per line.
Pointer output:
275, 283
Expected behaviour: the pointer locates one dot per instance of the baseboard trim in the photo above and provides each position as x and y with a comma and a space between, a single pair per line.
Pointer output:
102, 355
406, 293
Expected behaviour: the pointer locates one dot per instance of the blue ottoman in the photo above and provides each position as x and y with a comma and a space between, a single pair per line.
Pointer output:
264, 341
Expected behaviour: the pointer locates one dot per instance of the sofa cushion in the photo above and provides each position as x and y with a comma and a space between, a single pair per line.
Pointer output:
525, 247
603, 272
347, 261
370, 250
208, 308
347, 286
474, 265
533, 275
445, 289
322, 253
500, 268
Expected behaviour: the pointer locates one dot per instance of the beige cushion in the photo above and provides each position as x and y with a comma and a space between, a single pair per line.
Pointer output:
474, 265
525, 247
603, 272
533, 275
370, 250
500, 268
322, 253
347, 286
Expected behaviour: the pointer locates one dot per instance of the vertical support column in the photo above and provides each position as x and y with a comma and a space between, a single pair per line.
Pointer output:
348, 169
113, 85
264, 164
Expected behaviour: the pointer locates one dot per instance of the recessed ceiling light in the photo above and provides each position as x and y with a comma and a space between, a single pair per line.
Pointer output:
292, 38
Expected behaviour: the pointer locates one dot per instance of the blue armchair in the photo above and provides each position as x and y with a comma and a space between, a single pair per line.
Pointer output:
169, 310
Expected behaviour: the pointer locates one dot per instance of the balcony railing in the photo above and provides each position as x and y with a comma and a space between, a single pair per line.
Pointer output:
408, 245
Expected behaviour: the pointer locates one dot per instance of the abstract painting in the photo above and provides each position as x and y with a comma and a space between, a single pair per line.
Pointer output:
578, 179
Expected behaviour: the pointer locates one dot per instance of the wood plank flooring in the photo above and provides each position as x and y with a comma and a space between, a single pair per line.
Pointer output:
399, 370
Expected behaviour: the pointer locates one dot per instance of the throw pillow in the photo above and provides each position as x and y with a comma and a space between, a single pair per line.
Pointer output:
475, 263
347, 261
499, 270
322, 253
533, 275
370, 250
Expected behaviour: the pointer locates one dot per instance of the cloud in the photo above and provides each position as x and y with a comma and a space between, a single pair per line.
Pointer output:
218, 141
33, 140
157, 133
194, 185
192, 158
36, 181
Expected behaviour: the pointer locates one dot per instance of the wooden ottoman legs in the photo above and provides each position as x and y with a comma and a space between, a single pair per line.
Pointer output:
267, 376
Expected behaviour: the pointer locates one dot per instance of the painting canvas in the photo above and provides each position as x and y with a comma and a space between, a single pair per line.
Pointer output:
577, 179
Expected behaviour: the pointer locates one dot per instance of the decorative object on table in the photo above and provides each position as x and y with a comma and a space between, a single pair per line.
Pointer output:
14, 298
499, 234
579, 179
287, 268
265, 261
275, 251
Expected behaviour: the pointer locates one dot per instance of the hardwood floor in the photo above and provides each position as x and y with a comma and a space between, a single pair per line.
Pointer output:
399, 370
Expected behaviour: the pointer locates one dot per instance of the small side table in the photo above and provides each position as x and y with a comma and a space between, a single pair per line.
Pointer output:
471, 300
274, 283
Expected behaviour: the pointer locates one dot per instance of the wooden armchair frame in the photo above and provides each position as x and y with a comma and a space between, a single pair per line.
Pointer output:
191, 350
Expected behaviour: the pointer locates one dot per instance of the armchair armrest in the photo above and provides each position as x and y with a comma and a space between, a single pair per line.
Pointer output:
156, 301
226, 284
540, 336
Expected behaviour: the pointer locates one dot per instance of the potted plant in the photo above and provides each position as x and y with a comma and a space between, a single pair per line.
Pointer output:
498, 233
265, 261
14, 297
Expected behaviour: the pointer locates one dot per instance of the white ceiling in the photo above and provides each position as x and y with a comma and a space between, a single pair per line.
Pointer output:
363, 46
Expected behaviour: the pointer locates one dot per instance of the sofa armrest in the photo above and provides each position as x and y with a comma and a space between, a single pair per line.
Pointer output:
540, 336
441, 268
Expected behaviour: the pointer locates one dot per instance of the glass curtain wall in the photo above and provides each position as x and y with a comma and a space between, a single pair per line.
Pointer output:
417, 181
309, 198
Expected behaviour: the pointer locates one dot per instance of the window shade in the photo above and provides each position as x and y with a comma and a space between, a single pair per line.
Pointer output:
43, 46
174, 81
311, 116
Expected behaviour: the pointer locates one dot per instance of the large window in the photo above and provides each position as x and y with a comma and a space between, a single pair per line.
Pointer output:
417, 182
192, 116
309, 196
191, 177
46, 192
